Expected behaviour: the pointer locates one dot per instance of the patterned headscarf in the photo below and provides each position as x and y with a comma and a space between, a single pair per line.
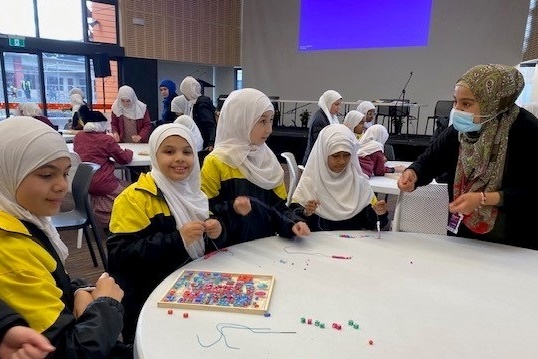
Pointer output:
481, 159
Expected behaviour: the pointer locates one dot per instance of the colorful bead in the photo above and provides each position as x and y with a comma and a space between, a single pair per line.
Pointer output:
185, 315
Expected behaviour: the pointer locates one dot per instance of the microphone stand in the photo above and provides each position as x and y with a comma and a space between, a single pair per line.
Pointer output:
402, 106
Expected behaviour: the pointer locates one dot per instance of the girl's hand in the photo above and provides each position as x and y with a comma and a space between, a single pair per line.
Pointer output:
380, 207
242, 205
106, 286
301, 229
213, 228
192, 231
311, 207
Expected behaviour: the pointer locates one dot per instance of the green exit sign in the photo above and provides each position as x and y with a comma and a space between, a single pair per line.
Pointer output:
17, 42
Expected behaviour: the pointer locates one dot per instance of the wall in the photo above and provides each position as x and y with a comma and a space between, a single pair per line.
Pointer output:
463, 33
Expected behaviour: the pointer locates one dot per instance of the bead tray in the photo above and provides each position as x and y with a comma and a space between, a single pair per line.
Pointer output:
221, 291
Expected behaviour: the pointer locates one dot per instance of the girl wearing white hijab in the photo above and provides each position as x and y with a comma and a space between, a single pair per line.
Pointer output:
242, 176
161, 221
188, 122
329, 104
130, 118
372, 152
35, 162
333, 193
181, 106
369, 111
200, 109
354, 120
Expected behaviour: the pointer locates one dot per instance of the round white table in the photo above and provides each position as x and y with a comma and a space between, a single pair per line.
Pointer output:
412, 295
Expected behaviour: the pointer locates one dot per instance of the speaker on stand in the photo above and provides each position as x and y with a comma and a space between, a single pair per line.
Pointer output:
101, 69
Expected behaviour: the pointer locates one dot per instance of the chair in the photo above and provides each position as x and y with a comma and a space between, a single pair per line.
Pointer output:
425, 210
75, 161
293, 171
442, 109
81, 217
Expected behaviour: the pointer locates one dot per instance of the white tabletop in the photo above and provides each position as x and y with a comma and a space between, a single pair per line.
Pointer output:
388, 183
413, 295
140, 153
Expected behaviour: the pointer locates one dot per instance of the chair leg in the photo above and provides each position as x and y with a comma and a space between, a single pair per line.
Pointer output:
79, 238
99, 243
90, 247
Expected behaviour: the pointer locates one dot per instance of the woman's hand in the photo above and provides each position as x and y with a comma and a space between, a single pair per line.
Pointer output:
466, 203
407, 180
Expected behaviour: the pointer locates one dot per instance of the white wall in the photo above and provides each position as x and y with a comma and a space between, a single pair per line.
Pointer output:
463, 33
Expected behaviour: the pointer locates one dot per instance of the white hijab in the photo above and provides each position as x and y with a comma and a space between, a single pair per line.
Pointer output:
137, 109
188, 122
76, 101
342, 195
352, 119
191, 88
240, 112
27, 145
373, 140
186, 200
181, 104
365, 106
325, 102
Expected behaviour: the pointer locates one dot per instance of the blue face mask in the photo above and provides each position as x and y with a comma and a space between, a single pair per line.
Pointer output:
463, 121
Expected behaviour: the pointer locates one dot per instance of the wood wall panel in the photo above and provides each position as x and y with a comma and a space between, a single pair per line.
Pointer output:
203, 31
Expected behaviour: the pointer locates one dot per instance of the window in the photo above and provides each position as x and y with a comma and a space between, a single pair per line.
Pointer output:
19, 19
60, 25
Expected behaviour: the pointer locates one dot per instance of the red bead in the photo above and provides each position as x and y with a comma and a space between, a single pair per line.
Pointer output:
185, 315
170, 311
371, 342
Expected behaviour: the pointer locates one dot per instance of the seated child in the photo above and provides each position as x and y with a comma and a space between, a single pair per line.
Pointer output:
371, 152
333, 193
93, 144
34, 282
160, 222
354, 120
242, 176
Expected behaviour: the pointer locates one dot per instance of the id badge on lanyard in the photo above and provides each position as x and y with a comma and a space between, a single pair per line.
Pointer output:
454, 222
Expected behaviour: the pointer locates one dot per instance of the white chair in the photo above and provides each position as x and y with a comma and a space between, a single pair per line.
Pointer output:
425, 210
293, 171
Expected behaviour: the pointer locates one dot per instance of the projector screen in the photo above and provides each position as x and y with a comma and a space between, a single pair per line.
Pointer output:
363, 24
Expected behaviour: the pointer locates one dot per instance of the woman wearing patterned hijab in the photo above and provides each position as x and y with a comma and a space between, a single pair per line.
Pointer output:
329, 104
486, 152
